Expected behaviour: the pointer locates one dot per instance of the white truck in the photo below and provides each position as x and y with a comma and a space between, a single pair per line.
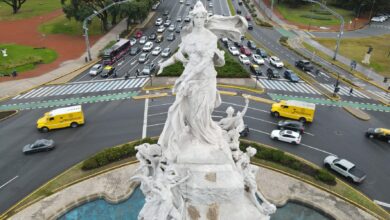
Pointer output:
345, 168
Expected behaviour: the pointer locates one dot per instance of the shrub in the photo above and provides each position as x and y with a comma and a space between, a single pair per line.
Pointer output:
316, 17
283, 39
320, 12
324, 176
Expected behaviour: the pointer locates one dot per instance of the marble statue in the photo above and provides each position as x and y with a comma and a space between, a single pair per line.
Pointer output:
197, 170
196, 89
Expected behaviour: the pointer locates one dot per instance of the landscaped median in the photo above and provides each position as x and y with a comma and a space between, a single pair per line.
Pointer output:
7, 114
268, 157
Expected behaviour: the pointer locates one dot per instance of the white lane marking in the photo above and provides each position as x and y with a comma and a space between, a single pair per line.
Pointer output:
162, 113
260, 110
145, 117
161, 105
263, 132
8, 182
317, 149
258, 119
382, 203
154, 125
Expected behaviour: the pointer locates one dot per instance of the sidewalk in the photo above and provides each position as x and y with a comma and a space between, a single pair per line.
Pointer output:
306, 37
11, 88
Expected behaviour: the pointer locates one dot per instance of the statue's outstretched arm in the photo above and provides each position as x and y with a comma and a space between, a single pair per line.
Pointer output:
178, 56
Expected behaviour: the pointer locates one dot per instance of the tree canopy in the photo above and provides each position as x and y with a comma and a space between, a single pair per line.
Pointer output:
15, 4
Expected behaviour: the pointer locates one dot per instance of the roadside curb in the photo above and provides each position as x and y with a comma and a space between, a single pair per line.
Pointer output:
150, 96
9, 116
357, 113
316, 185
259, 99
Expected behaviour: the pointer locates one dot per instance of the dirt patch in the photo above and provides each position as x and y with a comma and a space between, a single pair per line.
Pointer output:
25, 32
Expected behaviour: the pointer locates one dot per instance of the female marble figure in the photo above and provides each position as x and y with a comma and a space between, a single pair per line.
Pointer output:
196, 91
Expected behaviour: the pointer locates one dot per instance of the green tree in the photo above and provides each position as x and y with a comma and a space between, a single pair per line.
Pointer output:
15, 4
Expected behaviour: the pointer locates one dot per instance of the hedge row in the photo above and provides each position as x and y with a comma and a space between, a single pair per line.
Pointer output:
231, 69
320, 12
316, 17
113, 154
279, 157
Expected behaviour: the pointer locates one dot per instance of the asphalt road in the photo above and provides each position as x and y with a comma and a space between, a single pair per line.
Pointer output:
333, 131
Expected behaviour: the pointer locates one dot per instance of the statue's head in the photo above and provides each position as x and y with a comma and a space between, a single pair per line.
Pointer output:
251, 151
230, 111
199, 14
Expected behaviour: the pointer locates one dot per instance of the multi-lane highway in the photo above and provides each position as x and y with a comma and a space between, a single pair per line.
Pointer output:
112, 117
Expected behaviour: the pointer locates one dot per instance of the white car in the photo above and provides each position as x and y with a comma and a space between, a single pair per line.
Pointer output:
210, 5
133, 41
379, 19
257, 59
275, 61
96, 70
345, 168
178, 19
148, 46
166, 52
143, 39
171, 28
286, 136
156, 51
160, 29
234, 51
159, 22
181, 1
244, 59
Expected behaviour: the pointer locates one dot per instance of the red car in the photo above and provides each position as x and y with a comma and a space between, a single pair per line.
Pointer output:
245, 50
248, 17
138, 34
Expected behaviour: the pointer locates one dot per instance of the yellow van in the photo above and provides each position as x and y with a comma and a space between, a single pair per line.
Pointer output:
72, 116
298, 110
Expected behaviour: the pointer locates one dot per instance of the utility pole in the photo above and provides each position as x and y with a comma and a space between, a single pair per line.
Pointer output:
341, 32
89, 18
372, 8
272, 9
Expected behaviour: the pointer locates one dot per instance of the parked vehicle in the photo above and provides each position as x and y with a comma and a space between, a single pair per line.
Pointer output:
290, 75
96, 70
244, 59
245, 50
255, 69
286, 136
134, 51
345, 168
262, 52
155, 6
379, 133
257, 59
276, 62
116, 51
166, 52
156, 51
143, 57
107, 71
304, 65
298, 110
272, 73
296, 126
39, 146
234, 51
380, 19
71, 116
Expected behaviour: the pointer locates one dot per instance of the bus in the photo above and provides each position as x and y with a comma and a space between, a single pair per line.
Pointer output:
116, 52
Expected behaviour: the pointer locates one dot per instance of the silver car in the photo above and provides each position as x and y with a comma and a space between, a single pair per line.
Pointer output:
96, 70
38, 146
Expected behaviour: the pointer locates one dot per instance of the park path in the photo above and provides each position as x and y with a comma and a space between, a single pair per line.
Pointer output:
25, 32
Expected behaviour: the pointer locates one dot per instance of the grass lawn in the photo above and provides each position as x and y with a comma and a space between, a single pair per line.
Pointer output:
355, 48
62, 25
23, 58
296, 15
29, 9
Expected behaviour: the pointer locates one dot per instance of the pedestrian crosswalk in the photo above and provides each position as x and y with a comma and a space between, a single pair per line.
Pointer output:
84, 87
345, 91
288, 86
383, 95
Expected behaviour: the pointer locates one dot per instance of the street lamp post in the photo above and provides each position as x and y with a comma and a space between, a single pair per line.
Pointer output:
341, 25
89, 18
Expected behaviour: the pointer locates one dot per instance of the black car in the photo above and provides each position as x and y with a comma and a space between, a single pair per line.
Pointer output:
178, 29
290, 75
305, 65
261, 52
245, 132
291, 125
237, 44
39, 146
166, 13
272, 73
250, 26
171, 37
251, 44
149, 69
187, 19
238, 11
379, 133
134, 51
152, 36
255, 69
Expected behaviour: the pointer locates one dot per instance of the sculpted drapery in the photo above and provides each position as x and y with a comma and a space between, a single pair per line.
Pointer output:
196, 91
